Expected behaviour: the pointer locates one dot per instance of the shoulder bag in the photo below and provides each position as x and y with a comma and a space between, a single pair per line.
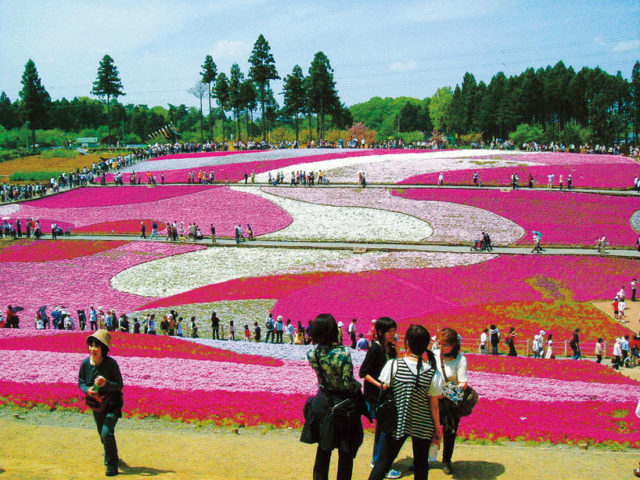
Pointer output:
386, 411
464, 399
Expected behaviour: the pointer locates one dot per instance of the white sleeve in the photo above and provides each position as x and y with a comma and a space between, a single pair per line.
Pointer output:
461, 370
385, 374
435, 390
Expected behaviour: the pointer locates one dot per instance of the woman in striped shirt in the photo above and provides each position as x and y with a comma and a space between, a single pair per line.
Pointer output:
416, 386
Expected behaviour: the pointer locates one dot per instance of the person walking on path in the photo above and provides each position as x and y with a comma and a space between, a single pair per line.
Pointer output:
143, 230
215, 326
634, 284
510, 341
101, 382
575, 344
154, 231
213, 234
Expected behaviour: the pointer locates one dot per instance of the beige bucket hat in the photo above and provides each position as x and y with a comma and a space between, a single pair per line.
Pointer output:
103, 336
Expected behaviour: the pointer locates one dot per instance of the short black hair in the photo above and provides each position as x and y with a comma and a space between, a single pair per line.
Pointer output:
324, 330
94, 341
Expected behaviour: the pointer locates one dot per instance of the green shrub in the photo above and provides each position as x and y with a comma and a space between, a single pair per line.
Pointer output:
33, 176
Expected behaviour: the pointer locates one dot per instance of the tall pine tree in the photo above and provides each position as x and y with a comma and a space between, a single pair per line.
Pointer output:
35, 100
294, 94
209, 72
321, 91
108, 85
635, 101
222, 95
263, 69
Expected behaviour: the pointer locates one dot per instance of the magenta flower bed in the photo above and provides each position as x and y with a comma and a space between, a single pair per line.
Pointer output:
520, 420
417, 294
204, 205
46, 251
130, 345
583, 175
131, 226
566, 371
563, 218
79, 282
107, 197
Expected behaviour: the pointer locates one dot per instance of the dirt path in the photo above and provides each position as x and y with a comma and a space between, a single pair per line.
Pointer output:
37, 445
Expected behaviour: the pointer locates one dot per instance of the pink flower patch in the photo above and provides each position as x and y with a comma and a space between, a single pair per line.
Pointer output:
563, 218
46, 251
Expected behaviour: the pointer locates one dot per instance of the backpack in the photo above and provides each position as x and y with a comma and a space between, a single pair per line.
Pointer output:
269, 324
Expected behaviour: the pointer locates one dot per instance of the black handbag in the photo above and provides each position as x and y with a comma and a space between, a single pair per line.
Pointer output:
386, 411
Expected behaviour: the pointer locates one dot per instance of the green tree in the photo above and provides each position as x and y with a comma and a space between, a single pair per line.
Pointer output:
262, 70
294, 95
108, 85
222, 95
8, 112
35, 100
321, 92
236, 101
439, 107
635, 101
249, 100
209, 72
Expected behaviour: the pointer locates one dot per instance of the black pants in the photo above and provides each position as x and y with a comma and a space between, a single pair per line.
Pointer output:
390, 449
321, 465
215, 333
106, 424
279, 336
449, 442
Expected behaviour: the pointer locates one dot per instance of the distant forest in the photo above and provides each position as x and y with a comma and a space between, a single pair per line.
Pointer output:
553, 104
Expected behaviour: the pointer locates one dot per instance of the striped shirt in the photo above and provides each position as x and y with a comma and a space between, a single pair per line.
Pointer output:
413, 404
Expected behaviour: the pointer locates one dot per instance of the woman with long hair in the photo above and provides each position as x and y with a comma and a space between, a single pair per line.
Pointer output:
452, 365
416, 386
381, 351
333, 415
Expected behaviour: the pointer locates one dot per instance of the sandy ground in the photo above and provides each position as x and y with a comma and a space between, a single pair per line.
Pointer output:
52, 445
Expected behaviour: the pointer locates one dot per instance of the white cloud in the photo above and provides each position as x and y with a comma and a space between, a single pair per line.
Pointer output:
409, 66
627, 46
233, 49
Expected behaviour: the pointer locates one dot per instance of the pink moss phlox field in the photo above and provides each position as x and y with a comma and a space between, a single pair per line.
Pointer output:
453, 223
519, 420
566, 371
46, 251
130, 345
107, 197
234, 172
126, 227
583, 176
562, 217
79, 282
401, 294
204, 205
201, 155
527, 420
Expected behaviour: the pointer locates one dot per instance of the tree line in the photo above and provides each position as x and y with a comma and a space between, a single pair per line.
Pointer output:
551, 104
313, 96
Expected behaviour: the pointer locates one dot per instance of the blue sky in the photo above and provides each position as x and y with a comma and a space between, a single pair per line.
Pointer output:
377, 48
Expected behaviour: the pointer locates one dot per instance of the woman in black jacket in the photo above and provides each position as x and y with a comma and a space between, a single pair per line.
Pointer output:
382, 349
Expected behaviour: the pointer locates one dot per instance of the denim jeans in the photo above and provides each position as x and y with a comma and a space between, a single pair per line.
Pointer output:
321, 465
106, 424
390, 449
378, 437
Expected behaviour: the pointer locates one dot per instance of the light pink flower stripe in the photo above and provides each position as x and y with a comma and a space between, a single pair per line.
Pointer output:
451, 222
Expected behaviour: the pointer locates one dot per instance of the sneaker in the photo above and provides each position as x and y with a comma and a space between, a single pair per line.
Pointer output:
393, 474
446, 468
372, 464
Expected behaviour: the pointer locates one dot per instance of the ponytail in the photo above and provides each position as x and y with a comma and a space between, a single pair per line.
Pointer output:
417, 339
